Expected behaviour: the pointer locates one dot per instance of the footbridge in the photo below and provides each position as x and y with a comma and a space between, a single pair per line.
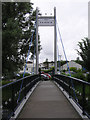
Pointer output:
53, 98
60, 97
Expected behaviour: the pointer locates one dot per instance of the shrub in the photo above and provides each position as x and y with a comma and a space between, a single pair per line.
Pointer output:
49, 70
4, 82
88, 77
63, 73
21, 75
79, 70
74, 69
64, 70
79, 75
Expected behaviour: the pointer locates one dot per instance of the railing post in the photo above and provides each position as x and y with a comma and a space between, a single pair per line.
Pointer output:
39, 73
25, 91
13, 99
53, 73
63, 84
69, 88
83, 100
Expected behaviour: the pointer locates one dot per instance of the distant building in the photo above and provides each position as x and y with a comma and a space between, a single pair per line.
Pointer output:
29, 68
42, 66
51, 64
46, 65
71, 64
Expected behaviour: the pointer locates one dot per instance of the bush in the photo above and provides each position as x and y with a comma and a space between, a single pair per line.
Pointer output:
63, 73
79, 70
49, 70
21, 75
79, 76
74, 69
64, 70
4, 82
88, 77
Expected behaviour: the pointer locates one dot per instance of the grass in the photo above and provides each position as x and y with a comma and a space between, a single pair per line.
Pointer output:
4, 82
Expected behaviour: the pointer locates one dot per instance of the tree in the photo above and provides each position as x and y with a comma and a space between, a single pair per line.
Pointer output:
46, 63
18, 20
74, 69
61, 63
85, 53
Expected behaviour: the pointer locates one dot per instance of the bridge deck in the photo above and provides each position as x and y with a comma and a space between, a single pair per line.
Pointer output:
48, 101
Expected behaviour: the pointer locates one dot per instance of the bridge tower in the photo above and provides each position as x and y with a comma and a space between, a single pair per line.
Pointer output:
46, 21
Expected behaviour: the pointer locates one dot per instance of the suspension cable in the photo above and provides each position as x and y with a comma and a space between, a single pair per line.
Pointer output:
34, 55
26, 64
58, 59
66, 61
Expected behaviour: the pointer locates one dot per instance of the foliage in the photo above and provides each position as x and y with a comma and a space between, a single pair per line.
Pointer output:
74, 69
85, 52
17, 26
79, 62
52, 68
79, 70
64, 70
49, 70
61, 63
4, 82
79, 75
63, 73
88, 77
21, 75
46, 63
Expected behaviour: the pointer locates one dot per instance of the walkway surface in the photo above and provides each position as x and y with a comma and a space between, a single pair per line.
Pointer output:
47, 101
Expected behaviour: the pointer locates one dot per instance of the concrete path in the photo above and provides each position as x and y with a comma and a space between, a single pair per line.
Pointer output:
48, 101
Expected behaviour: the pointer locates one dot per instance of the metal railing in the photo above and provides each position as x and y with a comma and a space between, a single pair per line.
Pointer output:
10, 93
80, 88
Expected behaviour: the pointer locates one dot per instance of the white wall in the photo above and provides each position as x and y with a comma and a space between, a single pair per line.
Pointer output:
71, 64
51, 65
29, 68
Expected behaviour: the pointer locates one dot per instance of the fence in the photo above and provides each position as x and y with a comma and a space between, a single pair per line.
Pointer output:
10, 93
78, 90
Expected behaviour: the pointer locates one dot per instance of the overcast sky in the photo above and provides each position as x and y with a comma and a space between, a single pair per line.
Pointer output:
72, 18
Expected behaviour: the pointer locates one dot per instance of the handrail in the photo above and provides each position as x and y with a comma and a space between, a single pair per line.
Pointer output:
82, 90
10, 94
79, 80
16, 81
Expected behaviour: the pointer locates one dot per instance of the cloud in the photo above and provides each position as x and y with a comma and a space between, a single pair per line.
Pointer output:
72, 17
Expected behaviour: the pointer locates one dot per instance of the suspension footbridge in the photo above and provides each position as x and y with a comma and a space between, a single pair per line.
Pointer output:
48, 101
61, 97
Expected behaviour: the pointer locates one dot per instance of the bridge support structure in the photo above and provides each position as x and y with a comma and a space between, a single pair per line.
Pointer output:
37, 60
46, 21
